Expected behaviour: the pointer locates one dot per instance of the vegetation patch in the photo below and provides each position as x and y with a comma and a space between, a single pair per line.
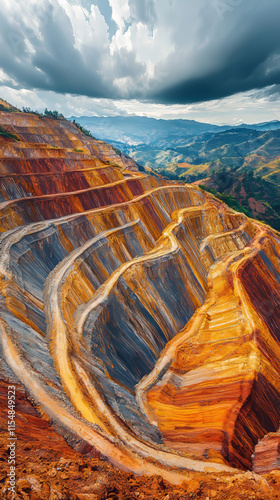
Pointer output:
228, 199
54, 114
82, 129
31, 111
248, 193
9, 135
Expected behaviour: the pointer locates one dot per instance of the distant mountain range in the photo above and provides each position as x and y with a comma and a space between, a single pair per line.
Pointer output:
136, 130
163, 144
273, 125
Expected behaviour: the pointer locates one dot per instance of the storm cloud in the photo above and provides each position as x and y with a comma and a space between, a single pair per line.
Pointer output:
162, 51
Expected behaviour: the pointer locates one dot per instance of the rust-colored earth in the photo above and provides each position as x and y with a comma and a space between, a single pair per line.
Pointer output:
47, 468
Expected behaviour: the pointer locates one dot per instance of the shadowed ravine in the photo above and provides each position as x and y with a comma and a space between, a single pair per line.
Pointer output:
141, 316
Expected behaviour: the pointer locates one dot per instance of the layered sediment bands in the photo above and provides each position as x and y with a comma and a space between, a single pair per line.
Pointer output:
133, 310
217, 378
22, 186
49, 165
19, 211
266, 456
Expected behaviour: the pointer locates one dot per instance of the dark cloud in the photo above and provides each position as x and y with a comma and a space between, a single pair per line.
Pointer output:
63, 64
271, 94
244, 51
190, 51
125, 65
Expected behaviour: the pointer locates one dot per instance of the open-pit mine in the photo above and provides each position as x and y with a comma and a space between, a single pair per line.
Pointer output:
139, 317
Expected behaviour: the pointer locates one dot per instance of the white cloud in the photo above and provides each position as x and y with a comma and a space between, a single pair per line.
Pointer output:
120, 12
6, 79
89, 28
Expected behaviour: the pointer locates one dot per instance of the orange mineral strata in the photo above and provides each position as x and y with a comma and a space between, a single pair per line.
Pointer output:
212, 387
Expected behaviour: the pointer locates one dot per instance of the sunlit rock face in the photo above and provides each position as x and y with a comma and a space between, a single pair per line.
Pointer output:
141, 316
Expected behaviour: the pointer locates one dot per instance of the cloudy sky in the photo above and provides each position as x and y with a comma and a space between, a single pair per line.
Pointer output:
211, 60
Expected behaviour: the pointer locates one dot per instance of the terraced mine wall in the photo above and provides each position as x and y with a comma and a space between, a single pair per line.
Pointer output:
141, 316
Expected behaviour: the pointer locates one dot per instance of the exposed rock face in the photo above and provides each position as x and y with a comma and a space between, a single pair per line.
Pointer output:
267, 454
141, 317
